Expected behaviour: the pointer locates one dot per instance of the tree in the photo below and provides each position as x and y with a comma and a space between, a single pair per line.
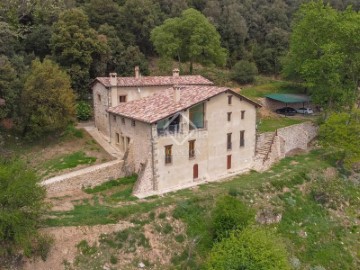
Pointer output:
325, 53
122, 59
48, 102
138, 18
74, 44
244, 72
8, 87
22, 207
190, 37
341, 135
102, 12
252, 249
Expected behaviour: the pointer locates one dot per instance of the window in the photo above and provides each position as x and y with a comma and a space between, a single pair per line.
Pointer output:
99, 97
229, 146
228, 161
127, 141
168, 154
133, 123
229, 100
195, 171
242, 138
197, 117
229, 116
117, 138
122, 99
114, 118
242, 114
123, 120
192, 149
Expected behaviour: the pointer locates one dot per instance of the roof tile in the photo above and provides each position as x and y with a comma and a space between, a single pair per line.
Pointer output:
157, 80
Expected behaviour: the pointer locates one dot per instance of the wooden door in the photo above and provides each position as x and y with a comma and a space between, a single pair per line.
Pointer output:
229, 162
196, 171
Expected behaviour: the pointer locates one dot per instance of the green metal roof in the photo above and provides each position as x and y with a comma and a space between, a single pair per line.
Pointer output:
288, 98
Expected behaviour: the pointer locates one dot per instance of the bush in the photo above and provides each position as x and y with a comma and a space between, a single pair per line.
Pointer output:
229, 214
83, 111
244, 72
21, 209
251, 249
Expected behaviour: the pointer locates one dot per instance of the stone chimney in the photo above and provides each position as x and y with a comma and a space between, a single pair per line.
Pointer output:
137, 72
113, 79
176, 72
177, 93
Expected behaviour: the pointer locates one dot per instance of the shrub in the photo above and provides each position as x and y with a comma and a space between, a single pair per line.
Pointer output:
83, 111
244, 72
229, 214
251, 249
21, 209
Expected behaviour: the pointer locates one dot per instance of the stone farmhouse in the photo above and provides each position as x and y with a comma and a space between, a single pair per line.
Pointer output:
175, 131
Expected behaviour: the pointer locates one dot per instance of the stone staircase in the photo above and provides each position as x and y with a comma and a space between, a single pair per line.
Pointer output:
263, 145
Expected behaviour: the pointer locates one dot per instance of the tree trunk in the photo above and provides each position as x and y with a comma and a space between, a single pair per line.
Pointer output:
191, 67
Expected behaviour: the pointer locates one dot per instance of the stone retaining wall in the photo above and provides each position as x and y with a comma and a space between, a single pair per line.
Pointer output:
287, 139
87, 177
297, 136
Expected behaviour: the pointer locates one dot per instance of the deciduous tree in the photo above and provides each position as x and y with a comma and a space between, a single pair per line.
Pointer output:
48, 102
190, 37
22, 208
74, 44
325, 53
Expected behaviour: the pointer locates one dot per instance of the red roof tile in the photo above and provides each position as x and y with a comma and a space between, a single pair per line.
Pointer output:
157, 80
162, 104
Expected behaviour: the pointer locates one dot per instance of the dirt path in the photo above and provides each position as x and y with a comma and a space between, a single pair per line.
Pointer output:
66, 239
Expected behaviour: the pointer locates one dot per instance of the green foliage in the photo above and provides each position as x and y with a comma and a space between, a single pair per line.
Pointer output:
9, 88
83, 111
74, 44
341, 135
21, 209
244, 72
229, 214
253, 249
190, 37
48, 103
324, 56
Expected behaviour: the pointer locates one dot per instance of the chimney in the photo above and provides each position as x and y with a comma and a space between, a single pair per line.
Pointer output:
177, 94
137, 72
176, 72
113, 79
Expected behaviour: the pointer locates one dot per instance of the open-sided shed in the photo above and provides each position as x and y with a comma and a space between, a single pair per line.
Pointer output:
276, 101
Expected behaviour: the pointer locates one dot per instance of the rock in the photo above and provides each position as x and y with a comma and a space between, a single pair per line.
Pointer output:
141, 265
295, 263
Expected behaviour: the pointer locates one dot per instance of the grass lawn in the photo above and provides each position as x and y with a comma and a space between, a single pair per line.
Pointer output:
271, 124
265, 86
316, 234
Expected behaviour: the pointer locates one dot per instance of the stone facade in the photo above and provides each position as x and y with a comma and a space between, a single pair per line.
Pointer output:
87, 177
211, 153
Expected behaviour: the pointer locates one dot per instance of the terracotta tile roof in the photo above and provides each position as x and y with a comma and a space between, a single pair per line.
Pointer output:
162, 104
157, 80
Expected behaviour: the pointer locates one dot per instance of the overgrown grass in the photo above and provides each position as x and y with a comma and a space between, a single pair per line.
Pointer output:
271, 124
112, 183
314, 235
68, 161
